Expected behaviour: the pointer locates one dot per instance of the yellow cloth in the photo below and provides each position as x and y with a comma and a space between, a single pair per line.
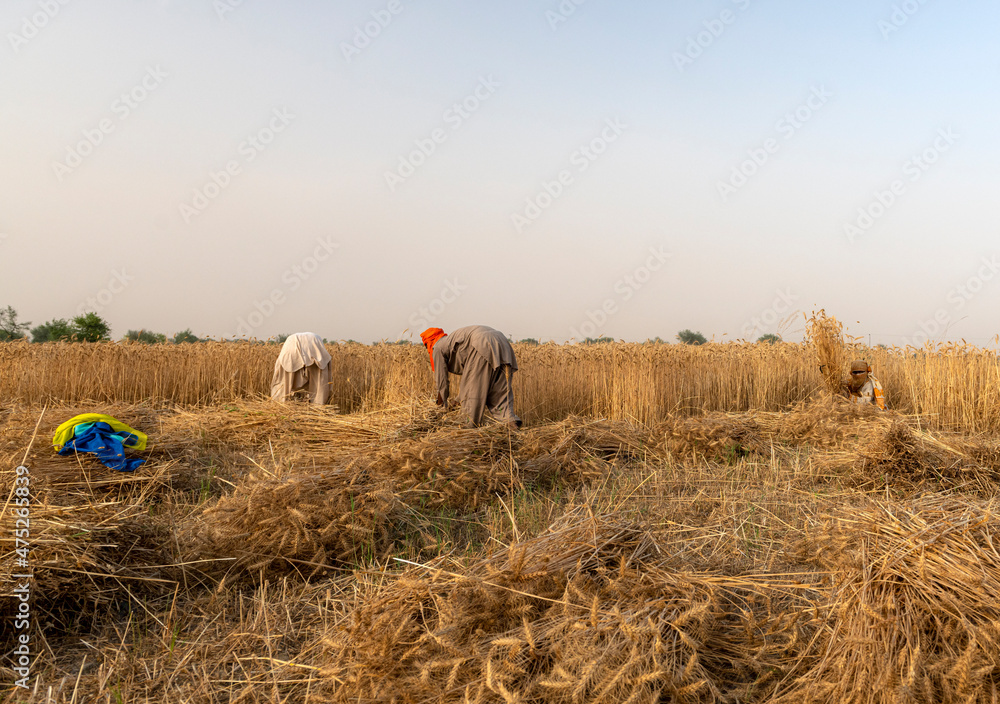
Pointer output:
64, 433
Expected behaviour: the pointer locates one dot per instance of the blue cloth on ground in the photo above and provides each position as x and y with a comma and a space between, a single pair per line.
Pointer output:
101, 439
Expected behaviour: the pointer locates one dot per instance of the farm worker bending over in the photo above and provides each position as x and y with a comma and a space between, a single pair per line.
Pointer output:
863, 387
485, 359
303, 363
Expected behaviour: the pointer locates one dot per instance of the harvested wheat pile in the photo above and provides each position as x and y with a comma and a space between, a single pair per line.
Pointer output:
580, 614
714, 436
361, 507
316, 431
574, 438
825, 422
451, 466
465, 467
303, 523
461, 467
915, 615
900, 453
896, 450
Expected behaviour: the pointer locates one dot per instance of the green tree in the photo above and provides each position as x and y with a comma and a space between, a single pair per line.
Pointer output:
689, 337
52, 331
184, 336
145, 336
91, 328
528, 341
770, 338
597, 340
10, 329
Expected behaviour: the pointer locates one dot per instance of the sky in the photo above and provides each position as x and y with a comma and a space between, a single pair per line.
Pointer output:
553, 169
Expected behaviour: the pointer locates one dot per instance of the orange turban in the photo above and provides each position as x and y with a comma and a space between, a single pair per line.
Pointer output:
429, 337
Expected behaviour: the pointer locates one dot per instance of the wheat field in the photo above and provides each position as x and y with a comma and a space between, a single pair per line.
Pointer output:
950, 386
673, 524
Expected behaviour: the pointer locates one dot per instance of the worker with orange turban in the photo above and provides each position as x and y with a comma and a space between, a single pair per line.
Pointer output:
485, 360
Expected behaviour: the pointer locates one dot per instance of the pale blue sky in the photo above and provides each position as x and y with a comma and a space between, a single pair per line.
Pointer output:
117, 232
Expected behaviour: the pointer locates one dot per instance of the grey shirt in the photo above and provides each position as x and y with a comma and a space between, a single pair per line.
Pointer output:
452, 353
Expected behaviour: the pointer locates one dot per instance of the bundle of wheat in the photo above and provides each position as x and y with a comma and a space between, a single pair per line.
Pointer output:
899, 453
825, 421
915, 612
896, 450
451, 466
305, 523
714, 436
463, 467
604, 438
826, 335
315, 431
580, 614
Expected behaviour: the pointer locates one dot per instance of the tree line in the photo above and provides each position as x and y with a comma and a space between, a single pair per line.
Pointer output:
90, 327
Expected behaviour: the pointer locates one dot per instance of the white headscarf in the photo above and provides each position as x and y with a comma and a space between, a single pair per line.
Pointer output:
302, 350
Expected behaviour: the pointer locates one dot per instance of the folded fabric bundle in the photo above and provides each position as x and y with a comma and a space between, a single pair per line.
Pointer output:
103, 436
66, 431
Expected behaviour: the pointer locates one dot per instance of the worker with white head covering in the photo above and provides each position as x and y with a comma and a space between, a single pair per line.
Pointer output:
303, 364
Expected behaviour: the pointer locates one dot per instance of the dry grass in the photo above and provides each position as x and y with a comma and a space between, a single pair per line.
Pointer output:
582, 613
803, 551
915, 614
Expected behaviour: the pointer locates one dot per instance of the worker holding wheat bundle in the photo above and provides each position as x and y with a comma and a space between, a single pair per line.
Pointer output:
485, 360
863, 387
